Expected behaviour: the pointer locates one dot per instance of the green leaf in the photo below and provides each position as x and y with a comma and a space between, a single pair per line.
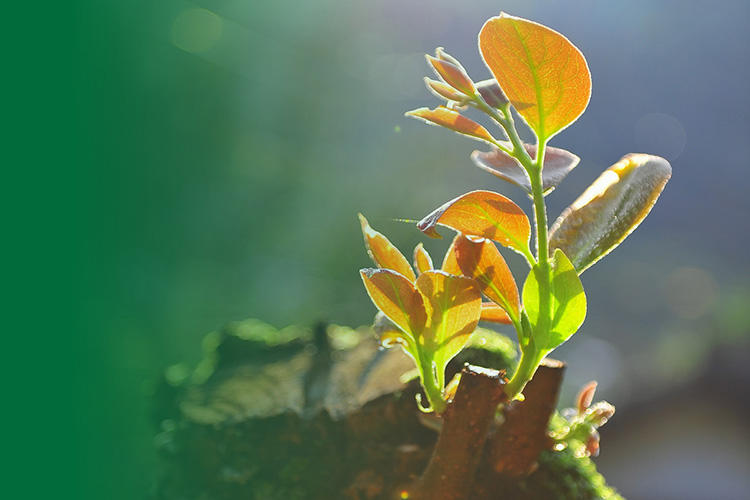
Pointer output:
610, 209
483, 213
557, 164
567, 305
544, 76
452, 120
454, 304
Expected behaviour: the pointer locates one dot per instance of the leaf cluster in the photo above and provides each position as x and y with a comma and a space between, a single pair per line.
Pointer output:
541, 77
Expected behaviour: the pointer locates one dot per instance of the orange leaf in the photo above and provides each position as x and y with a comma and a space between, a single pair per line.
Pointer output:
482, 261
450, 264
455, 305
486, 214
383, 253
544, 76
452, 120
451, 71
397, 298
422, 259
493, 313
443, 90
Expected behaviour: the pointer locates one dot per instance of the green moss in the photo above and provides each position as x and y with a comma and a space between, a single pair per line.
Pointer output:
562, 475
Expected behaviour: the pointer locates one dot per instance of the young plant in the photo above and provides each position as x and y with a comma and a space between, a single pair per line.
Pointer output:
431, 313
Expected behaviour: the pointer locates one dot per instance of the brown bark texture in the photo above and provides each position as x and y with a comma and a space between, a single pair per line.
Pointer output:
299, 414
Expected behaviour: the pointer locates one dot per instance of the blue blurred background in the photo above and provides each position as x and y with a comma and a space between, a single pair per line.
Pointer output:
237, 140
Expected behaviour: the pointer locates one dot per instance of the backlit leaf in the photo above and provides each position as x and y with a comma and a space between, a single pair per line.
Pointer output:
492, 93
422, 259
397, 298
493, 313
383, 253
482, 261
451, 71
567, 309
557, 164
455, 305
482, 213
544, 76
610, 209
452, 120
450, 264
444, 90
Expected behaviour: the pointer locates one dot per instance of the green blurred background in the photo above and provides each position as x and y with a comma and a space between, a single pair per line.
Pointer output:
204, 162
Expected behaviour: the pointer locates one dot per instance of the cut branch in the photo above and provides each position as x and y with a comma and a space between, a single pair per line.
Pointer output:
514, 449
451, 471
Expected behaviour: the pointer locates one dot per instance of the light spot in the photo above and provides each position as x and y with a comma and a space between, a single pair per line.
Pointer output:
177, 374
660, 134
196, 30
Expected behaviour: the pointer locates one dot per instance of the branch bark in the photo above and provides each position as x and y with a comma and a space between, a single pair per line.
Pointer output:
513, 450
452, 468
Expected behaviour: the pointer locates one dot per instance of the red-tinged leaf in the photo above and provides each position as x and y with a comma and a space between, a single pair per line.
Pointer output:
610, 209
482, 261
493, 313
486, 214
451, 71
585, 397
422, 259
383, 253
455, 305
492, 93
444, 90
398, 299
450, 264
557, 164
544, 76
452, 120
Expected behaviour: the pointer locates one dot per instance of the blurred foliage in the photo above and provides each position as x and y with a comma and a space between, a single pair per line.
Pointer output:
238, 140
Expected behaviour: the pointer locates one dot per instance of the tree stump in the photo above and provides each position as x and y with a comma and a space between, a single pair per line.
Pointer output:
327, 414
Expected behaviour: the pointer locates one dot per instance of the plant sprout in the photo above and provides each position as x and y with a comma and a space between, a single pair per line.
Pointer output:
432, 311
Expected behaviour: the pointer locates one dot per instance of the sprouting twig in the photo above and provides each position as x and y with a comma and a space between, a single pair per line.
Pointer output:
466, 420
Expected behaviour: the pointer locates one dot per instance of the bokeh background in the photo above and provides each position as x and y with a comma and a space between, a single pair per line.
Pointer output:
234, 141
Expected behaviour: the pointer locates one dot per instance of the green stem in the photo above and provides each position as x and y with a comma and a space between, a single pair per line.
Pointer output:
530, 357
527, 365
433, 389
540, 210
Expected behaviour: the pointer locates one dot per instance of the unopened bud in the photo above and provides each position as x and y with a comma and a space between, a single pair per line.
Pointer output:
600, 413
585, 396
492, 93
444, 90
592, 444
450, 70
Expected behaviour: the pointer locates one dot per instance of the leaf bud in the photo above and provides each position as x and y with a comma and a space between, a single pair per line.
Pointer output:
600, 413
585, 396
492, 93
450, 70
444, 91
